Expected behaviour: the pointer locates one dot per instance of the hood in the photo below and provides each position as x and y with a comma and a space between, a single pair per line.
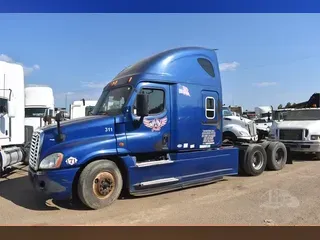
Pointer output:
85, 127
243, 119
298, 124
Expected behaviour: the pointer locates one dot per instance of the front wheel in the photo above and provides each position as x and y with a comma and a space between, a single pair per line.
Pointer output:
100, 184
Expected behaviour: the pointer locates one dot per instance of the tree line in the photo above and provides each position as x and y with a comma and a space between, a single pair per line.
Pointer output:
289, 104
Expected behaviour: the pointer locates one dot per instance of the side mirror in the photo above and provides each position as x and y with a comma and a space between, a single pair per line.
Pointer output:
58, 117
142, 105
83, 102
11, 109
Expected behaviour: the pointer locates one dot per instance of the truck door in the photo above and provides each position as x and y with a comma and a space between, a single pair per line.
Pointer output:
4, 119
153, 133
211, 120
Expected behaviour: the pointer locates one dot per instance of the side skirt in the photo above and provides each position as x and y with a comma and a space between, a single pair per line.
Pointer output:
171, 185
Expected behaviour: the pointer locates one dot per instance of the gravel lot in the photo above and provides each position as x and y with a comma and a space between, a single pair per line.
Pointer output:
288, 197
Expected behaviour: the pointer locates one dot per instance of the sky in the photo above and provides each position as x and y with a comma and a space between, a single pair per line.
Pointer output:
265, 59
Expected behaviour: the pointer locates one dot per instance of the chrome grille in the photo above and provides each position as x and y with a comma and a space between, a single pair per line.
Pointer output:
290, 134
252, 129
35, 149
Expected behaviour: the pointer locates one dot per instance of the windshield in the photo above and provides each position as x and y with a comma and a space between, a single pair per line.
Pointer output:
226, 112
279, 115
302, 115
112, 101
265, 115
34, 112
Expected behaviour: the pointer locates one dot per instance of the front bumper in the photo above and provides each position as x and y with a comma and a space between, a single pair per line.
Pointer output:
306, 147
249, 138
56, 184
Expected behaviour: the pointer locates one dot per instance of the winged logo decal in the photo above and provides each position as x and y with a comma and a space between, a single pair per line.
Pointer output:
155, 124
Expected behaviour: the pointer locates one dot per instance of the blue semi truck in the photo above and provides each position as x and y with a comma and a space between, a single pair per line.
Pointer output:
156, 127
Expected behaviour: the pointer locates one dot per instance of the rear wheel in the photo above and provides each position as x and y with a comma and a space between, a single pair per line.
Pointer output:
100, 184
265, 144
277, 156
254, 160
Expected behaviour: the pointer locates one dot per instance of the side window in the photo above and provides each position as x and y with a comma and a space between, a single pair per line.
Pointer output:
207, 66
210, 108
3, 105
156, 100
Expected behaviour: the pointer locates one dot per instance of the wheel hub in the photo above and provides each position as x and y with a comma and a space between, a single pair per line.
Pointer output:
279, 155
103, 185
257, 161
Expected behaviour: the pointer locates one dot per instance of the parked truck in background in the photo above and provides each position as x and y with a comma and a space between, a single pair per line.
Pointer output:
237, 110
157, 126
81, 108
249, 114
237, 128
12, 120
263, 120
263, 111
39, 101
298, 127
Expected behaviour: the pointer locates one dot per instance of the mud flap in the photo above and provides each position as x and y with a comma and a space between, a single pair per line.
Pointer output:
289, 156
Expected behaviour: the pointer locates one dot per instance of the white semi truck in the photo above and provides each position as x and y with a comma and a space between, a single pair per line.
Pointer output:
81, 108
263, 111
39, 101
237, 128
12, 130
263, 120
298, 127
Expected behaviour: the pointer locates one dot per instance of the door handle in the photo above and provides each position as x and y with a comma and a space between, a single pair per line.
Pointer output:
165, 139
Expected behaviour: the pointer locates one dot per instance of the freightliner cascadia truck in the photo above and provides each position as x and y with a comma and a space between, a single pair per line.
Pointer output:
156, 127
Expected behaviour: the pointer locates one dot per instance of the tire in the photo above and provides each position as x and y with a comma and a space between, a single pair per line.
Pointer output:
255, 160
277, 156
106, 173
265, 144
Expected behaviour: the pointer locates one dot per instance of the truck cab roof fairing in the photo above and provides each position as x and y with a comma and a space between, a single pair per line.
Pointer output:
179, 65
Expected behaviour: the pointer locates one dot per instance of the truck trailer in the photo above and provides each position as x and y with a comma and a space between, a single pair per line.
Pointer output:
12, 129
156, 127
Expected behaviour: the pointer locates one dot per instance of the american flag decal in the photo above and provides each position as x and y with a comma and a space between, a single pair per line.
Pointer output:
184, 90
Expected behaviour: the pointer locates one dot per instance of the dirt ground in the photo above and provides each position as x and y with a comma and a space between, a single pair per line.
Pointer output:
287, 197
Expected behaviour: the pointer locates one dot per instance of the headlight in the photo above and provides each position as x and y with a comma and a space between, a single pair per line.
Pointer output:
315, 137
52, 161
